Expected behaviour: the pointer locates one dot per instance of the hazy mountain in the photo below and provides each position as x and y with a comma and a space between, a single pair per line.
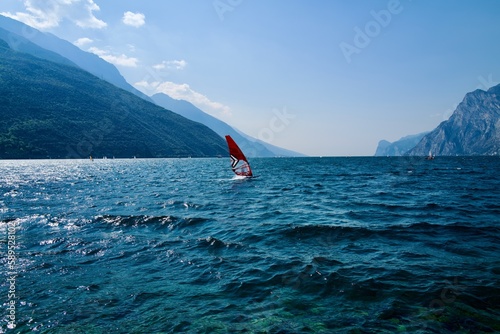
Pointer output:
250, 146
51, 110
24, 45
21, 34
23, 38
277, 151
399, 147
472, 129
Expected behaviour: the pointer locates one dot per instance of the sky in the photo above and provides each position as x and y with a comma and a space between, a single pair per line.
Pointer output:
324, 78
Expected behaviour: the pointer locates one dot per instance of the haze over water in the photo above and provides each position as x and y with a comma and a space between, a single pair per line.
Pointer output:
312, 245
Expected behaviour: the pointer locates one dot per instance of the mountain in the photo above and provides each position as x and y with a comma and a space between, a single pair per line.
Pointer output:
22, 44
188, 110
24, 38
251, 146
277, 151
21, 37
472, 129
399, 147
52, 110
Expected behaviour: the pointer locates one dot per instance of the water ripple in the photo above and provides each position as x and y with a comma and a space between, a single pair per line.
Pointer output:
311, 245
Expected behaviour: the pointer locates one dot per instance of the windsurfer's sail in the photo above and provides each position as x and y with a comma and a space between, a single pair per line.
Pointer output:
239, 162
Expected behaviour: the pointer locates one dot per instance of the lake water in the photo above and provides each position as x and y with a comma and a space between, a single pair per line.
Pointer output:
312, 245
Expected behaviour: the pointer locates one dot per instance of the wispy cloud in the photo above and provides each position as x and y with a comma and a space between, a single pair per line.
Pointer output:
185, 92
171, 65
134, 19
120, 60
46, 14
83, 41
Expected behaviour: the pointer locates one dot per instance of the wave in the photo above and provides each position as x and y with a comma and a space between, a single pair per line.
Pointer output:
156, 222
419, 229
214, 243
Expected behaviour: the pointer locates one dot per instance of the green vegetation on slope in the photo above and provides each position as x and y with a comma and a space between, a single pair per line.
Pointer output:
49, 110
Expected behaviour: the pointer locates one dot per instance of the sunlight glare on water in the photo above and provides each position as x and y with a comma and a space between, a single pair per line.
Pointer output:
310, 245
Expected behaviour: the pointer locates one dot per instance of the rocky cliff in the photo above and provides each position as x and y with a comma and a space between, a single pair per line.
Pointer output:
472, 129
399, 147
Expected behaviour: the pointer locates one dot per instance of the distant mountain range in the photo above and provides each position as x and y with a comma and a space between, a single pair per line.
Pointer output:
472, 129
251, 146
29, 41
22, 37
55, 110
399, 147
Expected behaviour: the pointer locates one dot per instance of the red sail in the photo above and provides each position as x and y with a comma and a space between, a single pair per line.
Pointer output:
239, 162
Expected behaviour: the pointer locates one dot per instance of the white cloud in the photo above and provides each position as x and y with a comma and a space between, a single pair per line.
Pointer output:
83, 41
171, 65
46, 14
134, 19
148, 86
120, 60
184, 92
89, 20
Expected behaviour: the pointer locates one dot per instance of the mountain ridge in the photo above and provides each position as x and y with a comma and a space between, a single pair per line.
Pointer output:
399, 147
472, 129
52, 110
22, 37
21, 33
251, 146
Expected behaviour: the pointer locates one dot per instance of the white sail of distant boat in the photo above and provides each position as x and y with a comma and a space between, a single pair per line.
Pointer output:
430, 156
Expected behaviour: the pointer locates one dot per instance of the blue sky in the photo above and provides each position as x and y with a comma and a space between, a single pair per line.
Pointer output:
319, 77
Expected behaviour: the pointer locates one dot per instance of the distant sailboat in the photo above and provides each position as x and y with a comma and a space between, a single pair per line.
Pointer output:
430, 156
239, 163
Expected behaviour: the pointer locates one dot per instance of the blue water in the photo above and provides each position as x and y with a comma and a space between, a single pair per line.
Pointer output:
312, 245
